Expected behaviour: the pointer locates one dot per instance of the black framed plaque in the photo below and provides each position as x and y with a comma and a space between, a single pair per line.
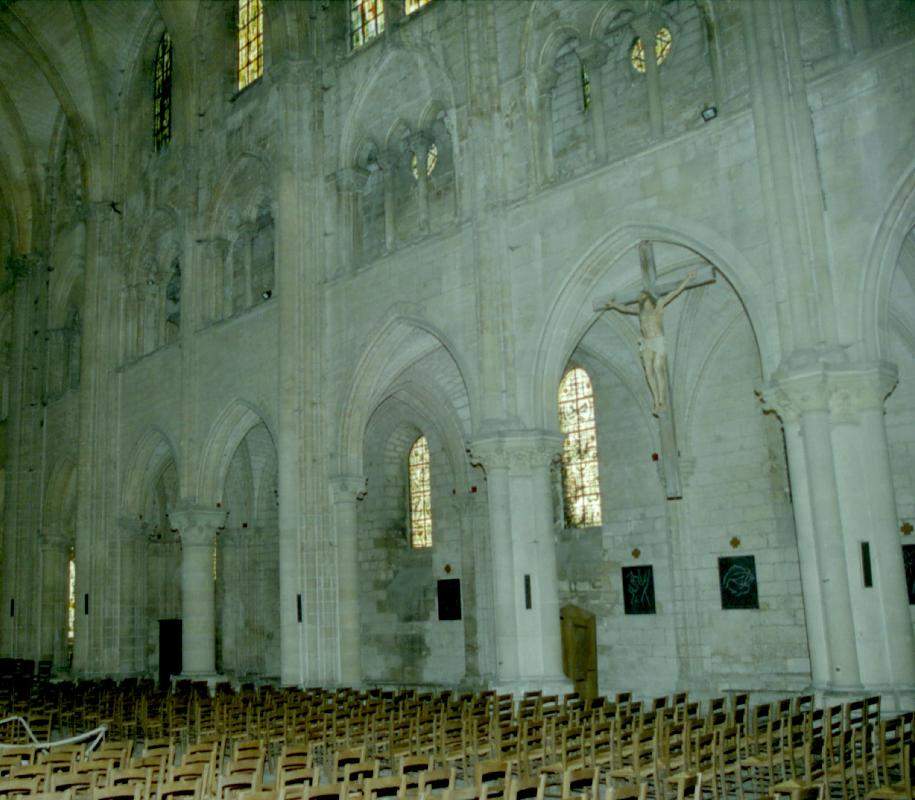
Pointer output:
638, 590
449, 598
737, 581
908, 559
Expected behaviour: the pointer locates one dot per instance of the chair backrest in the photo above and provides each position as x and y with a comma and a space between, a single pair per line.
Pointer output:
121, 792
307, 776
530, 789
437, 780
185, 789
389, 786
19, 786
581, 782
327, 791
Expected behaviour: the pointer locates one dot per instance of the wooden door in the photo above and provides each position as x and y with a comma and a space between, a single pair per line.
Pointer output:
579, 649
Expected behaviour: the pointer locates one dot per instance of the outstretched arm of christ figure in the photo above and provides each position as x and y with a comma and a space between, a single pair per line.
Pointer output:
621, 308
678, 291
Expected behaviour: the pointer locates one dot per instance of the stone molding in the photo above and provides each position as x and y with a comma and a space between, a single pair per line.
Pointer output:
521, 451
351, 179
197, 526
844, 391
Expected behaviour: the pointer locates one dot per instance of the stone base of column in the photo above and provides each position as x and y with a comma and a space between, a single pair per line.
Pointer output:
535, 683
211, 679
893, 699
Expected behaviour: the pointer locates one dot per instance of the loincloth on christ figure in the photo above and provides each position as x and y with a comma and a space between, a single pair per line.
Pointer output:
655, 344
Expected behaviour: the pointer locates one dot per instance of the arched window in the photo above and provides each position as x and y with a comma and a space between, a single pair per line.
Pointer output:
663, 42
366, 21
162, 93
412, 6
580, 469
71, 597
420, 494
250, 42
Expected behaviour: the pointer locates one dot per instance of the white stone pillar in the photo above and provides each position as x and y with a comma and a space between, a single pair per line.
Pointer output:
197, 528
860, 636
803, 397
886, 647
347, 490
525, 583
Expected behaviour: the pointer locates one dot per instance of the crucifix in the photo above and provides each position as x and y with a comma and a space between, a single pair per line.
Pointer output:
648, 303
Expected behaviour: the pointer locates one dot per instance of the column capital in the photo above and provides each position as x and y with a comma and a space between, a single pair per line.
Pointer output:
522, 450
347, 488
197, 525
844, 390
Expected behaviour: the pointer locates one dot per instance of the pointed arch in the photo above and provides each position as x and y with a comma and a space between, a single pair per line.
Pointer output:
151, 454
400, 340
227, 433
873, 297
572, 313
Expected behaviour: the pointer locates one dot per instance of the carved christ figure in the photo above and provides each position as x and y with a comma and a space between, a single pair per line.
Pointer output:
652, 349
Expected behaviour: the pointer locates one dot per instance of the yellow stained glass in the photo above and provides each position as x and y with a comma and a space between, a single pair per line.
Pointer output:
71, 596
366, 21
250, 42
412, 6
580, 469
431, 161
420, 494
663, 42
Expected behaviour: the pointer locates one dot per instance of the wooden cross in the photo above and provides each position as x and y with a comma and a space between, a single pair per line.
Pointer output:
670, 454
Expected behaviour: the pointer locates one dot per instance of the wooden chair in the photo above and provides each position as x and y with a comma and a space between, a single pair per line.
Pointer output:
901, 789
491, 778
437, 783
180, 790
327, 791
581, 783
19, 787
529, 789
376, 788
119, 792
698, 774
65, 795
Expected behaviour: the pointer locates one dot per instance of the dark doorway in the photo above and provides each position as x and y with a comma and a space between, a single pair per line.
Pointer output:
169, 649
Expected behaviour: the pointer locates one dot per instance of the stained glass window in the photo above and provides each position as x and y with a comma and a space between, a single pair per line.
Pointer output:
585, 89
420, 495
431, 161
71, 596
663, 41
580, 470
250, 42
366, 20
411, 6
162, 93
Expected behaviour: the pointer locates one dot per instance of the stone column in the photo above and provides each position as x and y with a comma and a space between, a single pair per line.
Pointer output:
197, 528
860, 636
347, 490
525, 584
886, 646
802, 398
55, 551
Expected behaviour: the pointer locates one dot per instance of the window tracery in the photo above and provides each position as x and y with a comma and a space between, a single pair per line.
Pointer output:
366, 21
420, 494
250, 42
580, 466
663, 43
162, 93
